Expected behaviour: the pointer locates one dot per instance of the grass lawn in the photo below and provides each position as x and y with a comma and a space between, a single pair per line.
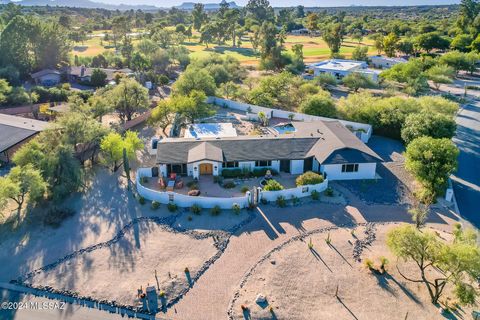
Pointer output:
314, 48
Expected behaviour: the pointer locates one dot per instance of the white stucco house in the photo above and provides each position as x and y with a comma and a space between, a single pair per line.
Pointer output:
326, 147
384, 62
340, 68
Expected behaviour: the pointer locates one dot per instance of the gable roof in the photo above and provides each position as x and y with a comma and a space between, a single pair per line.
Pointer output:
205, 151
327, 141
44, 72
14, 130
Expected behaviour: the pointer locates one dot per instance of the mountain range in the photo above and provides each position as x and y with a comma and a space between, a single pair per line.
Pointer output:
100, 5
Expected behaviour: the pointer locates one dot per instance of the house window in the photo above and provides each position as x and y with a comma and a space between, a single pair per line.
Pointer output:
230, 164
263, 163
349, 167
177, 168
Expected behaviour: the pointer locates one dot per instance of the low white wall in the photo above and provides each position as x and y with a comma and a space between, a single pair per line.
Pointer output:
269, 112
182, 200
334, 171
299, 192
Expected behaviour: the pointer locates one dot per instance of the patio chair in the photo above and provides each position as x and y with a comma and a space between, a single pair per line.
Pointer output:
173, 176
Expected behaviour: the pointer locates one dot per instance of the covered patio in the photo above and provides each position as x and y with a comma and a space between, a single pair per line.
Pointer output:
209, 185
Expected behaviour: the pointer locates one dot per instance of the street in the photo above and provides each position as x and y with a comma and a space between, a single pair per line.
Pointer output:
466, 181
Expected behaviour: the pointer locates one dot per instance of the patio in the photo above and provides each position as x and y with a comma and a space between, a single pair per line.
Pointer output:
209, 188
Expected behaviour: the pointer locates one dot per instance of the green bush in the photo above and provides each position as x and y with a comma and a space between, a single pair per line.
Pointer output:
281, 201
229, 184
144, 179
236, 208
261, 172
263, 201
196, 209
329, 192
309, 177
189, 218
172, 207
141, 200
315, 195
245, 189
215, 211
273, 185
192, 185
295, 200
155, 205
231, 173
217, 179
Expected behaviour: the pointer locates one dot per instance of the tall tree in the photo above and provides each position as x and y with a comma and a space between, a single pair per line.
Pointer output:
20, 182
198, 16
113, 144
128, 98
333, 36
439, 264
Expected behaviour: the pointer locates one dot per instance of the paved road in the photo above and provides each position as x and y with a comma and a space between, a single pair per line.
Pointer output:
466, 181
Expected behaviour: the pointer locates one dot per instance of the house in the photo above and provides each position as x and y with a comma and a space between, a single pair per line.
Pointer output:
46, 77
383, 62
340, 68
83, 74
326, 147
14, 132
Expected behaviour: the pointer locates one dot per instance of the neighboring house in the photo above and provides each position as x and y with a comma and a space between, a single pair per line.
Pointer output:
327, 147
83, 74
14, 132
383, 62
47, 77
340, 68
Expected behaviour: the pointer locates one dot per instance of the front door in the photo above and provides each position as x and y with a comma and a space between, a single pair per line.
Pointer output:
206, 168
285, 165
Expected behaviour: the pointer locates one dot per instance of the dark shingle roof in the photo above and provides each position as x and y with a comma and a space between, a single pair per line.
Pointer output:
44, 72
15, 129
328, 142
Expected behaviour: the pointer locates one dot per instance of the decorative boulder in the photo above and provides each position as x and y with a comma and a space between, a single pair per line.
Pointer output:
194, 193
260, 298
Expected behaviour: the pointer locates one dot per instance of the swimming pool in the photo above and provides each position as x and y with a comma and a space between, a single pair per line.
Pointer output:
284, 128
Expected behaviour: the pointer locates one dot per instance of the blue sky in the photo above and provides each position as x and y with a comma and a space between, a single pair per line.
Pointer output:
287, 3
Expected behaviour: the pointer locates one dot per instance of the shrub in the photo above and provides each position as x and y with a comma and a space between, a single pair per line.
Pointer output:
328, 240
309, 177
186, 270
162, 294
295, 200
245, 189
263, 201
141, 200
231, 173
56, 215
329, 192
215, 211
189, 218
236, 208
369, 264
281, 202
155, 205
144, 179
196, 209
273, 185
261, 172
383, 264
217, 179
172, 207
192, 185
229, 184
310, 244
315, 195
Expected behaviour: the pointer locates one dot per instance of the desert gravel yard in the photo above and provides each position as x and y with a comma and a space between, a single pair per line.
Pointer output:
300, 283
116, 272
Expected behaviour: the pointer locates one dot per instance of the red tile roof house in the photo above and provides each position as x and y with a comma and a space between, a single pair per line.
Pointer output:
326, 147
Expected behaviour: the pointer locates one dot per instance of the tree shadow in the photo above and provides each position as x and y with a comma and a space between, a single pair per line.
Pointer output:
347, 308
318, 257
385, 282
340, 254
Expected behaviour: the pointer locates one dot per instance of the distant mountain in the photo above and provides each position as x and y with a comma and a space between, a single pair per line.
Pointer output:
81, 4
208, 6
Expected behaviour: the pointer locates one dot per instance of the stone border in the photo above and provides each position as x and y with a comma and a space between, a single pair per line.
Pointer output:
249, 273
221, 240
